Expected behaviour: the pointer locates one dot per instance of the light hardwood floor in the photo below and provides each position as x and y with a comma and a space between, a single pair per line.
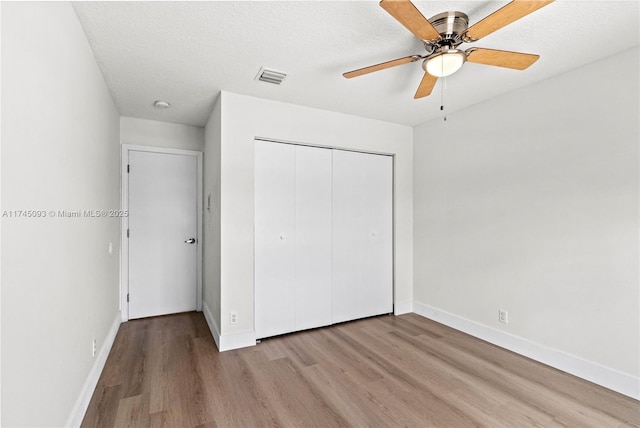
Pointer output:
385, 371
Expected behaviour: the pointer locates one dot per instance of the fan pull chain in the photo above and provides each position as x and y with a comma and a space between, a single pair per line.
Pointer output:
443, 87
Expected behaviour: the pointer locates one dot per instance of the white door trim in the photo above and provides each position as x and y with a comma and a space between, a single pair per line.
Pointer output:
124, 242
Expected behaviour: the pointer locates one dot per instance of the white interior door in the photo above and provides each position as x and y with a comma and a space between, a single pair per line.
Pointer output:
162, 233
275, 238
362, 235
313, 237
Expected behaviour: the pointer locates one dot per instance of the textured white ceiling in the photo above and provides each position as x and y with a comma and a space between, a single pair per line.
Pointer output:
186, 52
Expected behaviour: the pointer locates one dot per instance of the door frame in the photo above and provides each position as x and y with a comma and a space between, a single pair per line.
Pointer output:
124, 202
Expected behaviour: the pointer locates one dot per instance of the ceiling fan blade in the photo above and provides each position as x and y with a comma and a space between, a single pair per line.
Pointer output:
408, 15
426, 86
515, 60
381, 66
504, 16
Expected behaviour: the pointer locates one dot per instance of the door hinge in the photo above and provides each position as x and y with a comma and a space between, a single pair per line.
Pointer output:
127, 297
128, 169
127, 233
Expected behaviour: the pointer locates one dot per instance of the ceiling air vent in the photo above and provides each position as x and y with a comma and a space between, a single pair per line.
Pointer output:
270, 76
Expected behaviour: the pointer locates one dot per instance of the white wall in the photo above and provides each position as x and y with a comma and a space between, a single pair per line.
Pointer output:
244, 118
211, 219
60, 151
146, 132
529, 202
0, 218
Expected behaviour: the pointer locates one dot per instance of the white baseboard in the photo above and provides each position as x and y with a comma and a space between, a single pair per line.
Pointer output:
400, 308
82, 403
238, 340
588, 370
213, 327
227, 342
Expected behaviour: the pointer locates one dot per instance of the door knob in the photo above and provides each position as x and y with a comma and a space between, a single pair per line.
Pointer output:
191, 241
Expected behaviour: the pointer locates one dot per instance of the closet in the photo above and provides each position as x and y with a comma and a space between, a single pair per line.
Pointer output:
323, 236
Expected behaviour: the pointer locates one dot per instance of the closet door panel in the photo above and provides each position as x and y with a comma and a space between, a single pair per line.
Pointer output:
274, 238
313, 237
362, 235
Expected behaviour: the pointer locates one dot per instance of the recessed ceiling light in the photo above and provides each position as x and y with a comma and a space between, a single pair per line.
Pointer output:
161, 104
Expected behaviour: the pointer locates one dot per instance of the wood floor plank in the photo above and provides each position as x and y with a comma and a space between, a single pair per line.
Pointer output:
159, 385
398, 379
443, 384
541, 402
100, 412
398, 323
339, 391
352, 365
165, 419
133, 412
136, 368
532, 391
277, 379
379, 372
233, 388
587, 393
186, 384
479, 398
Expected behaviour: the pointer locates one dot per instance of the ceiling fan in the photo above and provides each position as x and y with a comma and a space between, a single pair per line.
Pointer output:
442, 35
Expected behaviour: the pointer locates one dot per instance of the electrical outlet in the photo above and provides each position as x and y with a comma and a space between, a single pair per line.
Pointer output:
234, 317
503, 316
93, 348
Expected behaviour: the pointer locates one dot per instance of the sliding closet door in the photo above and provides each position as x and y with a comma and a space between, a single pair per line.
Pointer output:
362, 235
323, 237
275, 239
313, 237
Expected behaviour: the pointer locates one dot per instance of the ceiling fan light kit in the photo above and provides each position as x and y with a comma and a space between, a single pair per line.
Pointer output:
444, 32
445, 63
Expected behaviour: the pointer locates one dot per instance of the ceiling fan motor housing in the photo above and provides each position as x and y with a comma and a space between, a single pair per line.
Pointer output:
451, 25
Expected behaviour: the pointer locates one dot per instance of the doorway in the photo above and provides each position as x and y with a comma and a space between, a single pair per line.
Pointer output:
162, 236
